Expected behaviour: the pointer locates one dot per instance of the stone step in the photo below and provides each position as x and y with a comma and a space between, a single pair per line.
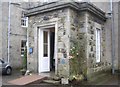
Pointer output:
51, 81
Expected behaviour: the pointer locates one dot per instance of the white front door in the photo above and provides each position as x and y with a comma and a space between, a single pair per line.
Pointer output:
44, 50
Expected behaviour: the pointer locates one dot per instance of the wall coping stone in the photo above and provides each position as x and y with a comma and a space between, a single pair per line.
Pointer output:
83, 6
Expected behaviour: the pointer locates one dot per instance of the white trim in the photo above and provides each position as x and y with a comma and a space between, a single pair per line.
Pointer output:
25, 20
98, 26
49, 25
98, 46
39, 52
56, 47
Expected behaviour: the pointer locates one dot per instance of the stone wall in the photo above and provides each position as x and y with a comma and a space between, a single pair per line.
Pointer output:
83, 31
116, 36
104, 64
63, 44
78, 43
61, 17
105, 6
76, 31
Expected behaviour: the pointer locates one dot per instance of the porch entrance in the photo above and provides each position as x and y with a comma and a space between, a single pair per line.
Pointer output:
46, 58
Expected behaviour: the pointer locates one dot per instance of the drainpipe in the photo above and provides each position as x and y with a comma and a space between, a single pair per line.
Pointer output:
113, 38
8, 55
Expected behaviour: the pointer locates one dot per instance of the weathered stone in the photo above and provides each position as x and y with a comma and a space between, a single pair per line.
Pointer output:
51, 81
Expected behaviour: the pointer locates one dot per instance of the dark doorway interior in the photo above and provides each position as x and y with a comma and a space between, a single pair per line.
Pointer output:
52, 42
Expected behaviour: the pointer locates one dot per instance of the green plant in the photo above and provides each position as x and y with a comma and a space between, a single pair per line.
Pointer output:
77, 57
25, 59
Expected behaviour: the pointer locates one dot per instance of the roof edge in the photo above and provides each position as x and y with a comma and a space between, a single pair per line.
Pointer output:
84, 6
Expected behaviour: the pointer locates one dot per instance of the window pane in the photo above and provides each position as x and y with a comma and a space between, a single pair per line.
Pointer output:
45, 50
45, 43
23, 45
24, 22
45, 37
98, 45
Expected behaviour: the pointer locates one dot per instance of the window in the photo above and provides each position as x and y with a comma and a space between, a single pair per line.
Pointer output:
24, 21
23, 45
98, 44
45, 43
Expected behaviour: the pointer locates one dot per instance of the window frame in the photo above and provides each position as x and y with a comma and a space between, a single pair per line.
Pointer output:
25, 21
98, 45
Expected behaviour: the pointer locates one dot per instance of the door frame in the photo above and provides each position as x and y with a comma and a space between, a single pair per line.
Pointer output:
44, 26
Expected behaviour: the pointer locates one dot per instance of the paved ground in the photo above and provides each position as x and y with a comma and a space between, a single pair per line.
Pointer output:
17, 74
106, 79
102, 80
6, 78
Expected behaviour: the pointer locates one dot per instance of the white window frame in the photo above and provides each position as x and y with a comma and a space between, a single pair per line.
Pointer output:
25, 23
98, 45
